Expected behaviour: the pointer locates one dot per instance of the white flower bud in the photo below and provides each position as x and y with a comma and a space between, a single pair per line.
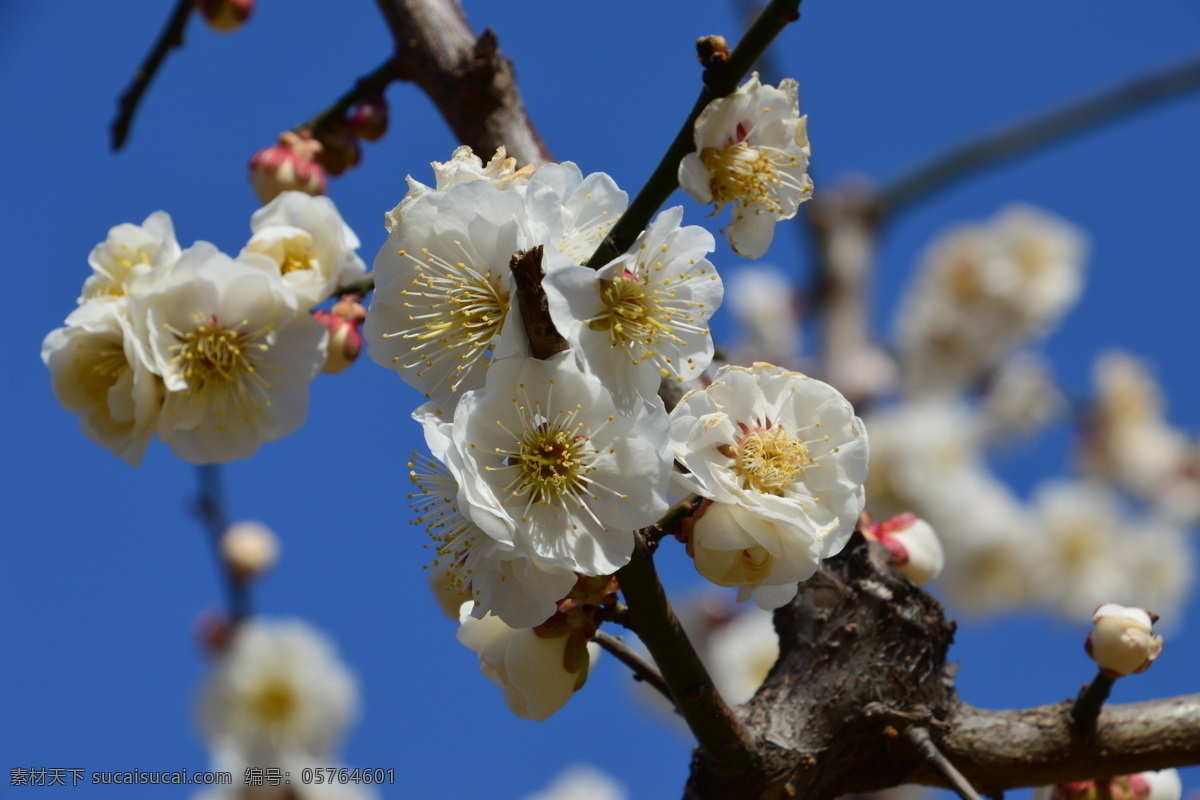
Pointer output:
1161, 785
531, 669
249, 548
1122, 640
916, 550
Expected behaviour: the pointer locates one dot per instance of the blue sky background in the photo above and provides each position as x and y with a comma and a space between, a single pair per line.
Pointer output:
103, 571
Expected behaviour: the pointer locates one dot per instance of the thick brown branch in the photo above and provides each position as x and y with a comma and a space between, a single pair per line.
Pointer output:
544, 338
999, 750
127, 105
1023, 137
470, 82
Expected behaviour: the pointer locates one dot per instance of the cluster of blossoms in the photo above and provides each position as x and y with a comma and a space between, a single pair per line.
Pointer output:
212, 353
1155, 785
550, 443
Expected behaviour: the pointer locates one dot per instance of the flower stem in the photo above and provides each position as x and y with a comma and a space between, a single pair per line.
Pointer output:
374, 82
211, 510
665, 178
643, 670
719, 733
1086, 710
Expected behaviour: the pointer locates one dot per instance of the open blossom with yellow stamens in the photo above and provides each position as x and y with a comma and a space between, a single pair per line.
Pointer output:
131, 257
752, 151
309, 243
513, 583
235, 353
99, 371
549, 466
443, 289
783, 458
279, 691
644, 316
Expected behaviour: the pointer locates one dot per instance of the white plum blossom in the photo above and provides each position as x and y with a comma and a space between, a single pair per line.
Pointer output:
549, 467
310, 244
752, 151
582, 782
765, 303
983, 290
1162, 784
443, 289
1122, 640
512, 583
740, 653
249, 548
100, 371
235, 353
573, 212
501, 171
644, 316
131, 257
783, 458
279, 690
534, 670
1022, 399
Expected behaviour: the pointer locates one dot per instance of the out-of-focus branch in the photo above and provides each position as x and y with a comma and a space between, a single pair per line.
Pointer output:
466, 77
374, 82
127, 105
1028, 135
643, 670
721, 736
210, 507
936, 760
665, 178
998, 750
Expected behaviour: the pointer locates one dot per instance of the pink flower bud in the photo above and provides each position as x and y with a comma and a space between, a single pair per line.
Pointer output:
289, 164
340, 150
345, 341
214, 631
225, 15
369, 119
249, 548
1122, 640
914, 545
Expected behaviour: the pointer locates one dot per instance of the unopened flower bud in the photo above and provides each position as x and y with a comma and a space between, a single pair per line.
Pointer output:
288, 165
225, 15
1161, 785
214, 631
339, 148
914, 545
712, 50
1122, 640
369, 119
345, 341
249, 548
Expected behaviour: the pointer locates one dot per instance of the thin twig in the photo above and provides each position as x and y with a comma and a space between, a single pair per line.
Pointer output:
1087, 706
374, 82
667, 525
643, 670
920, 739
127, 105
1038, 131
617, 613
665, 178
718, 731
210, 506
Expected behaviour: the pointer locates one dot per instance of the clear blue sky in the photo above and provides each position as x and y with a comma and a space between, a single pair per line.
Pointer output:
103, 571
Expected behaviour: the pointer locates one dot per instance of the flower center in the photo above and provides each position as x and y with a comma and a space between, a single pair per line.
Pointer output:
223, 360
463, 309
274, 701
749, 174
770, 459
551, 462
297, 255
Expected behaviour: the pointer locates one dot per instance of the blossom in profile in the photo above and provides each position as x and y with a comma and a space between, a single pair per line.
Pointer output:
752, 151
549, 465
764, 301
131, 256
1122, 640
291, 164
235, 354
644, 316
306, 239
571, 211
500, 578
464, 166
100, 371
538, 671
783, 458
279, 690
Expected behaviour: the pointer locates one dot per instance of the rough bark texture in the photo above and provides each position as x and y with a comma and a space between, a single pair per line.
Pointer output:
863, 657
466, 77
